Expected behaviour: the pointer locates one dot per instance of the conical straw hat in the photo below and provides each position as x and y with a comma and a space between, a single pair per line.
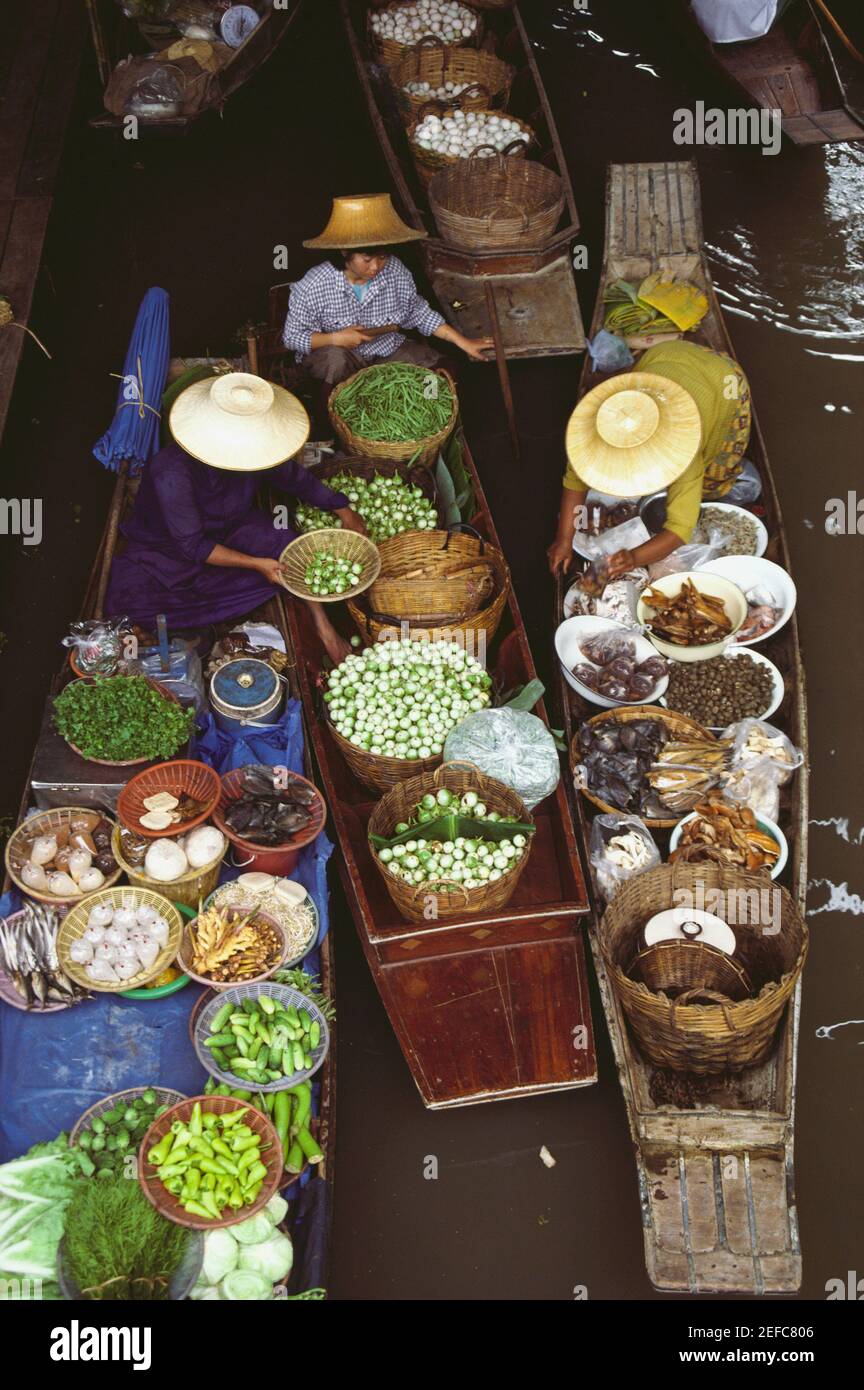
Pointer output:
633, 434
369, 219
239, 422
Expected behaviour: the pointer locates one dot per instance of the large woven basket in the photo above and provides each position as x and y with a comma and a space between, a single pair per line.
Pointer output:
42, 823
452, 900
488, 78
723, 1035
74, 925
674, 967
415, 474
676, 723
417, 585
423, 451
377, 771
429, 162
388, 52
343, 545
502, 202
180, 777
189, 889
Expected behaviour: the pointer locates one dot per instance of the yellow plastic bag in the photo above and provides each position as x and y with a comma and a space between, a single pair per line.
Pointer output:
680, 301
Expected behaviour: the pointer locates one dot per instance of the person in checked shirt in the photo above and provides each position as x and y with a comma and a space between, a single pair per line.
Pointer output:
345, 316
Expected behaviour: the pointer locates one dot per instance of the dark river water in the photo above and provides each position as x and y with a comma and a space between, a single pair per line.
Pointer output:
786, 239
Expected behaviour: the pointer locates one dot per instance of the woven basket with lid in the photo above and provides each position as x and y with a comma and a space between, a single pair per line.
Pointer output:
389, 52
488, 78
484, 203
423, 451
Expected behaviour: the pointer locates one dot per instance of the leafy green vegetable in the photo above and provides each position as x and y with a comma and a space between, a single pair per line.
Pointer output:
34, 1193
118, 1246
309, 985
121, 718
243, 1285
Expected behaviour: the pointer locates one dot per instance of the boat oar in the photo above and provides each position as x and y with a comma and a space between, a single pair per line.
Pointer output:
503, 369
843, 37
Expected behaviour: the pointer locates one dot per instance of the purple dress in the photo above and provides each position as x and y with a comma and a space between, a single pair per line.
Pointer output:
184, 508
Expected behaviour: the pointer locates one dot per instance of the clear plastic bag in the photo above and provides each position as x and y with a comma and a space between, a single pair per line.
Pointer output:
691, 556
159, 91
620, 847
763, 761
617, 600
511, 745
183, 677
98, 645
609, 353
626, 536
747, 487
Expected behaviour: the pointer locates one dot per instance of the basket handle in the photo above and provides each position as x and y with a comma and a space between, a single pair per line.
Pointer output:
430, 41
434, 884
477, 150
513, 147
458, 526
476, 89
507, 203
691, 996
433, 104
456, 765
245, 863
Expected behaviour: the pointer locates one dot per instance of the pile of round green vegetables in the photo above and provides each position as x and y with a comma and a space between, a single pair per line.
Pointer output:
210, 1163
331, 574
105, 1144
388, 506
260, 1040
468, 860
439, 803
395, 402
121, 718
401, 698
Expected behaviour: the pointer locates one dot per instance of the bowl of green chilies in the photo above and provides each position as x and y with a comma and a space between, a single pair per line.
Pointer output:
210, 1161
265, 1037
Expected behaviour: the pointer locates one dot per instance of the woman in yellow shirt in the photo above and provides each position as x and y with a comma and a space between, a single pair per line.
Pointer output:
680, 422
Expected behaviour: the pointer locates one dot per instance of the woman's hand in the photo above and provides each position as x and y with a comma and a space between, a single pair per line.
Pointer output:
271, 570
559, 554
351, 520
621, 563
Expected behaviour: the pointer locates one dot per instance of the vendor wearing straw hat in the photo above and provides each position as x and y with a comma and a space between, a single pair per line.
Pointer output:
197, 547
680, 422
337, 312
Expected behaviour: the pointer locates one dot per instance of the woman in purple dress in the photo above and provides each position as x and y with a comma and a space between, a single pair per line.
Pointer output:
197, 547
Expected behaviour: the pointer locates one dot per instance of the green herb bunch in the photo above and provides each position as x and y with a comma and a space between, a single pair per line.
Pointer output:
117, 1245
309, 985
120, 718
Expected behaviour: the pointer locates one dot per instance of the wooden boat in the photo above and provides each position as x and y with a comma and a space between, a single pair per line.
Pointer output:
716, 1175
486, 1006
791, 70
525, 300
310, 1207
115, 36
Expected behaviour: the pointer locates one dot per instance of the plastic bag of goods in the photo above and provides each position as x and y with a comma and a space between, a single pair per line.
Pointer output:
98, 645
763, 761
609, 353
620, 847
183, 677
626, 536
510, 745
691, 556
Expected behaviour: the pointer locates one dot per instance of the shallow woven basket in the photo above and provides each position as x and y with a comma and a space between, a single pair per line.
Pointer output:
677, 966
388, 52
286, 995
188, 889
169, 1205
184, 953
231, 788
164, 1095
74, 925
677, 723
423, 451
484, 203
163, 690
429, 162
415, 474
180, 777
344, 545
40, 824
707, 1038
399, 805
489, 79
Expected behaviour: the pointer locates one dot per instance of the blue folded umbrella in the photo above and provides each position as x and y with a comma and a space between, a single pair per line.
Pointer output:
133, 434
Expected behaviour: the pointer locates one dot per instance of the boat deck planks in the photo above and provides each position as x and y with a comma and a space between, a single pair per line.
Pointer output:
737, 1232
42, 48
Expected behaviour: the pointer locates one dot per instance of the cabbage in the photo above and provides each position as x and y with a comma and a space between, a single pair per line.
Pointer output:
243, 1285
276, 1209
253, 1231
220, 1256
205, 1293
272, 1258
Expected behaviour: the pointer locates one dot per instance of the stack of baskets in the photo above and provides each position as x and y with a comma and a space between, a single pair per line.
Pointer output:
389, 52
451, 899
707, 1031
443, 584
479, 204
422, 451
429, 162
488, 79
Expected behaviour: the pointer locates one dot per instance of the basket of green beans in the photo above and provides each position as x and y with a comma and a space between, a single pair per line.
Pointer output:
264, 1036
395, 410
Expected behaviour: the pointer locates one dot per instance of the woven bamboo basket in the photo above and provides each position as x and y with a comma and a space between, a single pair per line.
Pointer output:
452, 900
389, 52
676, 723
344, 545
483, 203
189, 889
169, 1205
42, 823
180, 777
720, 1035
74, 925
422, 451
488, 78
164, 1095
677, 966
430, 162
165, 692
414, 474
376, 771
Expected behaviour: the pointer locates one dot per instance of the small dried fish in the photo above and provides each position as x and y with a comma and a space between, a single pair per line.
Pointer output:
28, 955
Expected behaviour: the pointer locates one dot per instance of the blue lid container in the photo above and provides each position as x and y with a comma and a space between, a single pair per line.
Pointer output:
246, 691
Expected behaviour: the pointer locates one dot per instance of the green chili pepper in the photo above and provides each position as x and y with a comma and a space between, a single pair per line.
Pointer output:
160, 1151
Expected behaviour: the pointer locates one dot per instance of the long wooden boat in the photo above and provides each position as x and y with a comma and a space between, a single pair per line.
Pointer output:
310, 1207
706, 1231
115, 36
533, 308
792, 69
486, 1006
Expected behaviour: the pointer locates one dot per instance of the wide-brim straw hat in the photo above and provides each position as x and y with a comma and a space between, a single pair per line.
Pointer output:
239, 422
633, 434
369, 219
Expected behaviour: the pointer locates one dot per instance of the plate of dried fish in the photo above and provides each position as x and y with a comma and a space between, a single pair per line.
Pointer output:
31, 976
693, 615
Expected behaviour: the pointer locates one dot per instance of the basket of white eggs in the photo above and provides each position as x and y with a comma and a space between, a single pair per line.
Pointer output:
402, 25
464, 78
443, 136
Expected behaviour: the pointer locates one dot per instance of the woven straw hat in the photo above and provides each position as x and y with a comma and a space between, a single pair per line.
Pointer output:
239, 422
369, 219
633, 434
